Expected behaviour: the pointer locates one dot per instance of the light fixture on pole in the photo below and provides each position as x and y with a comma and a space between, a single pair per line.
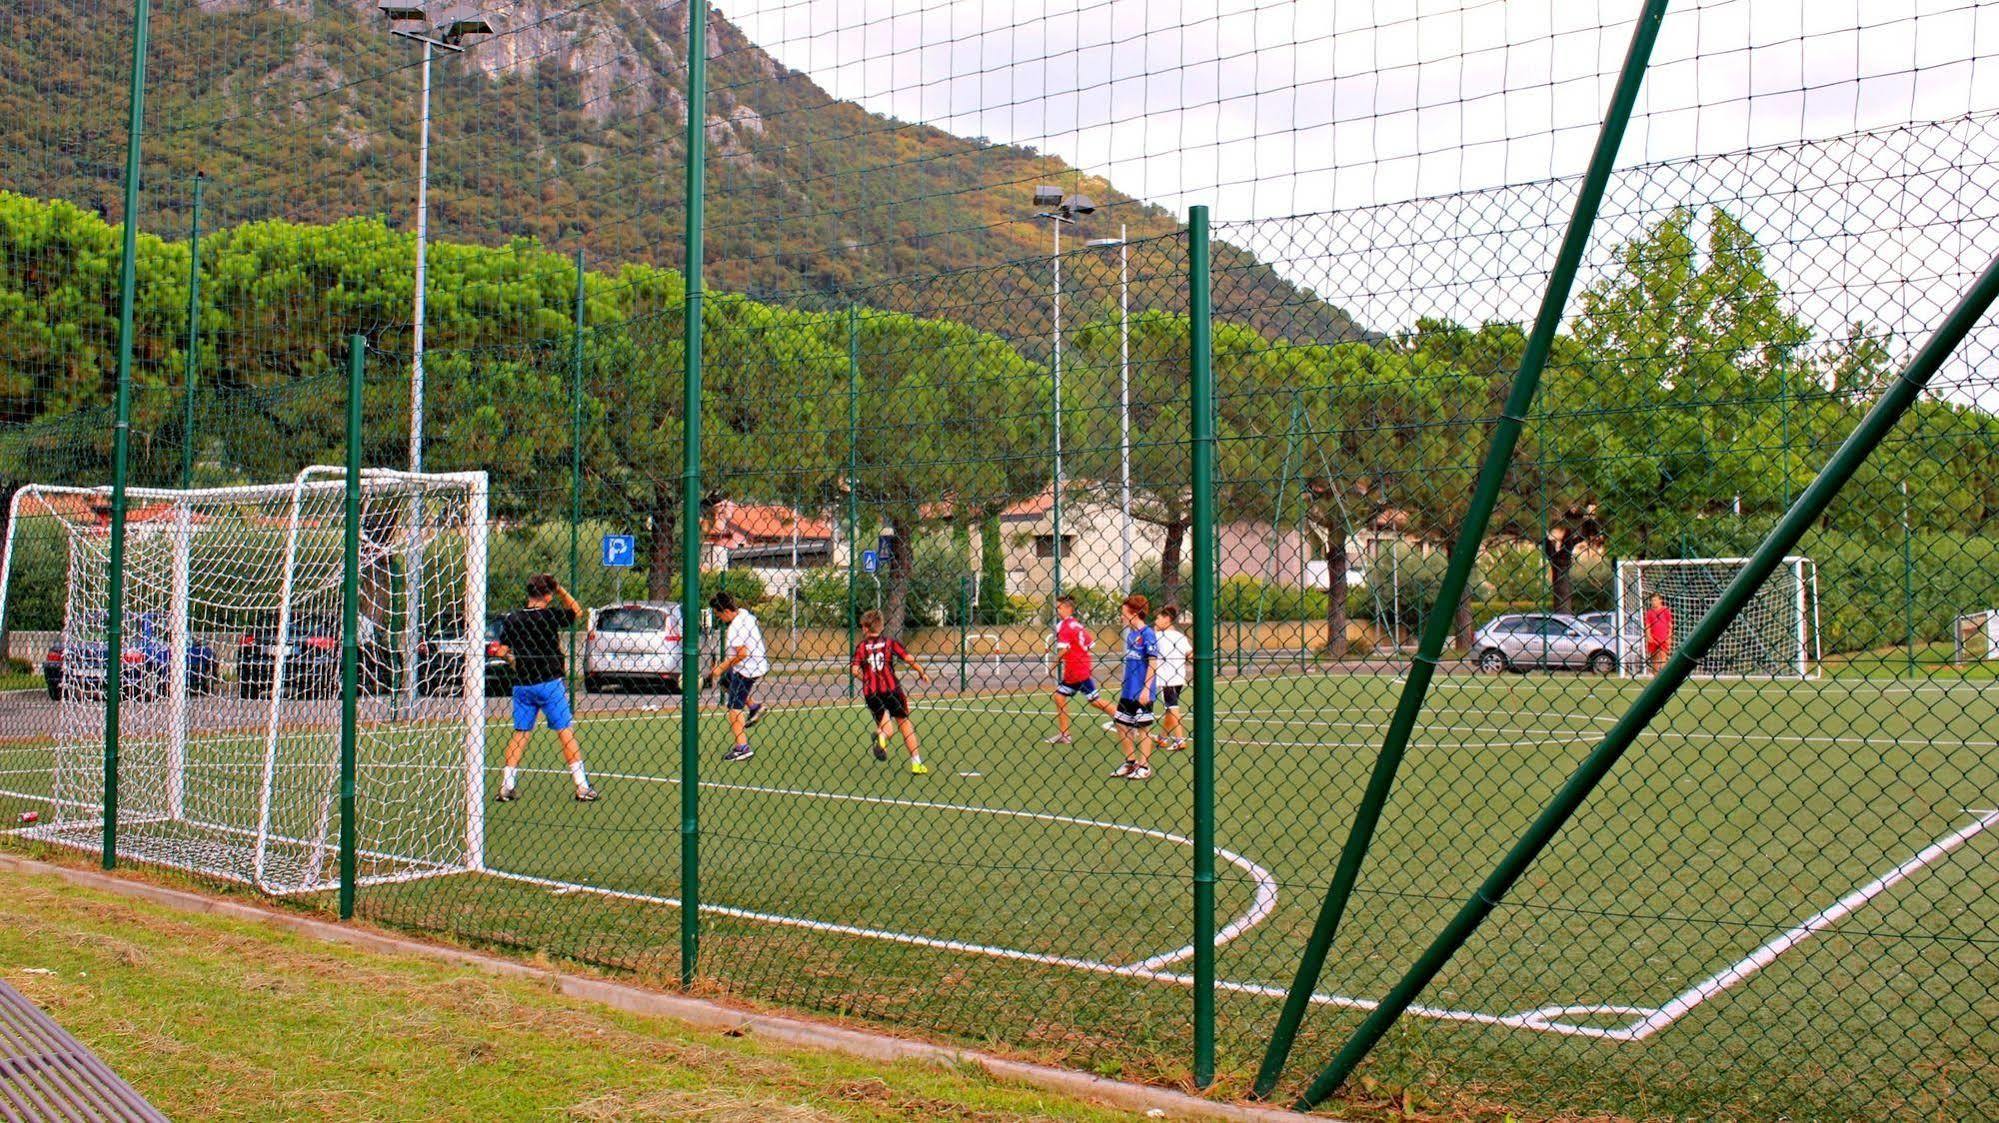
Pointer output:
414, 23
1059, 210
1124, 394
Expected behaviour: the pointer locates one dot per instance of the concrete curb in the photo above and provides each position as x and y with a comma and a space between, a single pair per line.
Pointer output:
698, 1012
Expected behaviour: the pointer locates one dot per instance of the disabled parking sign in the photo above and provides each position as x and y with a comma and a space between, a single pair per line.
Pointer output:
621, 550
870, 561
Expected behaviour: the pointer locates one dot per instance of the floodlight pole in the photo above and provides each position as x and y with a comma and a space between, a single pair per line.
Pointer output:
1124, 402
422, 246
1055, 539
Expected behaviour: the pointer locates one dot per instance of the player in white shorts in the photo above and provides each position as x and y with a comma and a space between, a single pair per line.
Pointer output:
1176, 659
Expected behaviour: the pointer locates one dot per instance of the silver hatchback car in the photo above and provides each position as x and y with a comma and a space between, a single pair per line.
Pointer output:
1542, 641
633, 647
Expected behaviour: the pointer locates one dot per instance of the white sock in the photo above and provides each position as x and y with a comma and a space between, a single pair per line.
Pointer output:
508, 775
916, 758
576, 774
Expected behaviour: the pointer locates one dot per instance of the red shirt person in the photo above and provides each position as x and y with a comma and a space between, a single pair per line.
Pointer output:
1075, 671
874, 664
1658, 633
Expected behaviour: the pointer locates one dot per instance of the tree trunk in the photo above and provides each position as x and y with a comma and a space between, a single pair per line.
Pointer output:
1336, 592
1461, 631
1561, 573
6, 527
895, 581
663, 550
1169, 558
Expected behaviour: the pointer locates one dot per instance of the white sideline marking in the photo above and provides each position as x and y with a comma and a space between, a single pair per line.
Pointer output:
1261, 905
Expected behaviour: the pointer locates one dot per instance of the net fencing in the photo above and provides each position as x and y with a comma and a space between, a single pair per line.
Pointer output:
947, 348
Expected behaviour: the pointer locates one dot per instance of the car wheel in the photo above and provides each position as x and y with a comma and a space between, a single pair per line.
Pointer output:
592, 684
1492, 661
1602, 662
55, 687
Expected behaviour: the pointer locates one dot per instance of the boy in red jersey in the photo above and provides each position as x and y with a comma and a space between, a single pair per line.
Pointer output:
1075, 672
874, 664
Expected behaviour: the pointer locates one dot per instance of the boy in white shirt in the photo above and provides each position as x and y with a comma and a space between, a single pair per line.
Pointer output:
744, 664
1176, 659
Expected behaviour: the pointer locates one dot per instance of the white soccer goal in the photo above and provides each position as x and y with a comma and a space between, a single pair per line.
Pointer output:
1776, 635
230, 721
1975, 636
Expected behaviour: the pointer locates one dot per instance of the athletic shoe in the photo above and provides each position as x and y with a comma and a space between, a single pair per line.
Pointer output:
586, 795
918, 768
1177, 745
1142, 772
881, 747
740, 752
1111, 726
755, 714
1059, 739
1124, 770
507, 795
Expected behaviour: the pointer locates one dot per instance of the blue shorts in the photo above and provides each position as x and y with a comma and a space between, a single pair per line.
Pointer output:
548, 698
1086, 687
737, 689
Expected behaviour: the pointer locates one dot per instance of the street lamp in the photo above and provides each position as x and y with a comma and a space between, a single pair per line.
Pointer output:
1060, 210
1124, 392
414, 22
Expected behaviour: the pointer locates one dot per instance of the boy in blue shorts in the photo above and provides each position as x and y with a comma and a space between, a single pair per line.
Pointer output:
531, 641
1134, 704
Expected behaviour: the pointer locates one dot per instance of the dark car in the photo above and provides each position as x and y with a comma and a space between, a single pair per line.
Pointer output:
440, 660
312, 665
78, 665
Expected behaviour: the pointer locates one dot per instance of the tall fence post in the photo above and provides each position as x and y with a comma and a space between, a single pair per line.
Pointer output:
1894, 402
193, 335
1200, 342
121, 433
576, 453
853, 473
690, 500
350, 622
1491, 476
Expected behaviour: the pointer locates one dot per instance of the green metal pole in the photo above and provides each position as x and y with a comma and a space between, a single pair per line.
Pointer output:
576, 454
964, 629
1492, 474
121, 433
1817, 496
350, 622
853, 472
690, 500
193, 335
1908, 584
1201, 349
1784, 419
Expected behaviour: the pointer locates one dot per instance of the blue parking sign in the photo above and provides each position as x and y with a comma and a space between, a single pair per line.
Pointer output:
621, 550
870, 561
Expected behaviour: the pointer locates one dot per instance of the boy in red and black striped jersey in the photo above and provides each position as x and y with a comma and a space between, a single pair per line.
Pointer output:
874, 664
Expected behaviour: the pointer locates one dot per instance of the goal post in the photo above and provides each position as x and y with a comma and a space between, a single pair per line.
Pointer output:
1975, 636
1775, 636
230, 728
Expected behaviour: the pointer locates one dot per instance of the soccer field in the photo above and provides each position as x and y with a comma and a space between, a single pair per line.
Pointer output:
1799, 855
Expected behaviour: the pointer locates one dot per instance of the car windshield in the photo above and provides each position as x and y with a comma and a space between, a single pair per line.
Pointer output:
631, 618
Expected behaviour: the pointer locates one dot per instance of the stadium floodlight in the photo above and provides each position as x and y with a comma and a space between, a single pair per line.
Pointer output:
1059, 210
1048, 196
405, 13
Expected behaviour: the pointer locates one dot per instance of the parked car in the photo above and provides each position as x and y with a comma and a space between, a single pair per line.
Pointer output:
78, 665
1605, 622
633, 647
312, 665
1543, 640
440, 660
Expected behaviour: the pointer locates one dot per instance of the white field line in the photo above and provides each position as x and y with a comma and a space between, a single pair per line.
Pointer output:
1262, 904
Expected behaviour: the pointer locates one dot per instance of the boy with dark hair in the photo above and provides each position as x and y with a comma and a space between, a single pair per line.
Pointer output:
1134, 704
1176, 659
1074, 672
531, 641
744, 664
874, 664
1658, 633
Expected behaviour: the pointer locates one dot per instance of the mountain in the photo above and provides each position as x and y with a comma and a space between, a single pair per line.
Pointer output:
568, 129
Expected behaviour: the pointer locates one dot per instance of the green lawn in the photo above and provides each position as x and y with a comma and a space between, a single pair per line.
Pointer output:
1017, 896
220, 1019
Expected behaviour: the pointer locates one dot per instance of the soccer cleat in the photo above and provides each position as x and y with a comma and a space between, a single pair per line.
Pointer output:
881, 747
1124, 770
586, 795
740, 752
1141, 772
755, 714
507, 795
1059, 739
1177, 745
918, 768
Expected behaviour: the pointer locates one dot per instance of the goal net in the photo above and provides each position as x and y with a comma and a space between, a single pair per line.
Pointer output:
1776, 634
230, 722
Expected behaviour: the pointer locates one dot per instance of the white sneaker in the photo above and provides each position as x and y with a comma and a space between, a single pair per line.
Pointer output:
1124, 770
1141, 772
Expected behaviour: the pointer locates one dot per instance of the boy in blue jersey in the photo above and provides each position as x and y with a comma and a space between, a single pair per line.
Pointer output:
1134, 704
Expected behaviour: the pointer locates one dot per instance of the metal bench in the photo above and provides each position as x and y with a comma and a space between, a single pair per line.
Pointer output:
45, 1074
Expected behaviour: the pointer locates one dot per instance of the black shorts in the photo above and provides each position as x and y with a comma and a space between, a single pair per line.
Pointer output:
1169, 697
893, 703
1131, 711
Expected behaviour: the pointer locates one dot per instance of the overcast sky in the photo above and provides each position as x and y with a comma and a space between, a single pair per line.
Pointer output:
1270, 108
